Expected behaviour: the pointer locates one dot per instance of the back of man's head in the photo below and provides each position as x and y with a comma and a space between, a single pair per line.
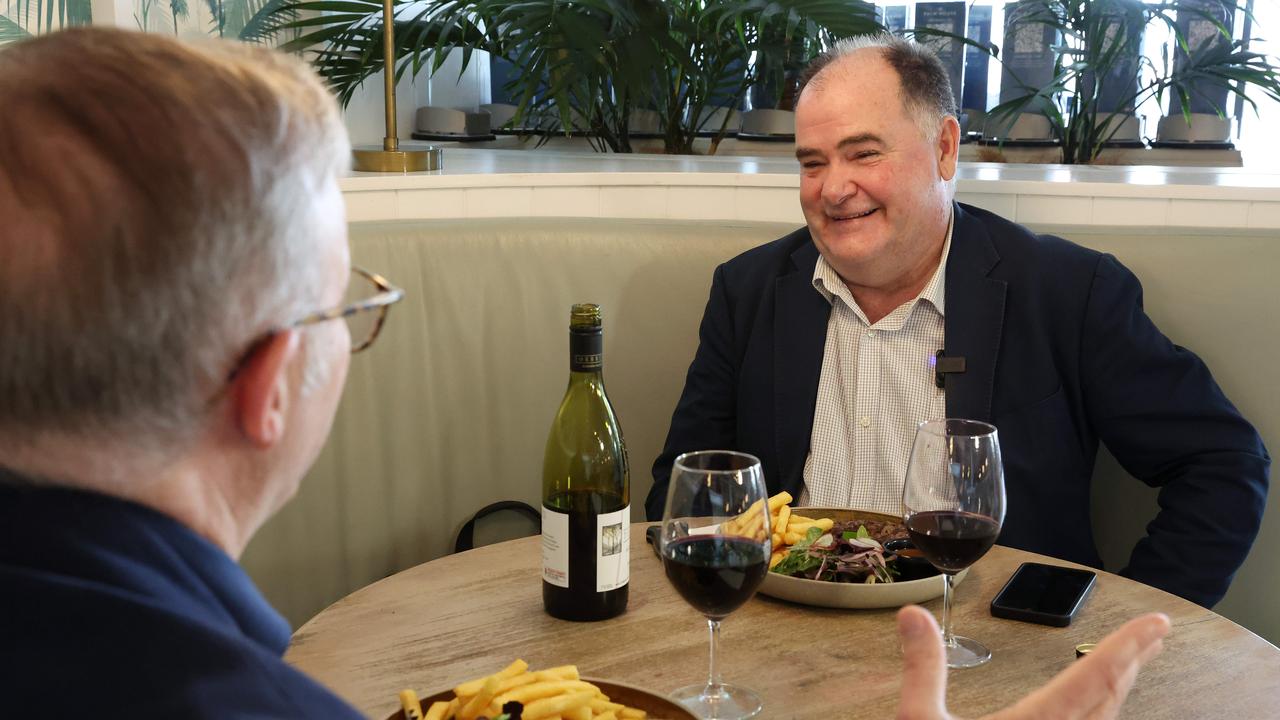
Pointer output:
156, 202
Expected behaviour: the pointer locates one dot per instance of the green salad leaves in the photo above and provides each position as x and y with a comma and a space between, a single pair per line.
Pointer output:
799, 560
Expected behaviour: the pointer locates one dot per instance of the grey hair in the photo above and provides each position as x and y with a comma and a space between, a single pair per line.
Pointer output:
923, 79
159, 218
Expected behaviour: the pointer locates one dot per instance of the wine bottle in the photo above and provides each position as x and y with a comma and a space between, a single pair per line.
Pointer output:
586, 489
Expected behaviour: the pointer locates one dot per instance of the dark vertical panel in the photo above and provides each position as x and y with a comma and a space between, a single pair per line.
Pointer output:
895, 18
1120, 84
1028, 51
949, 17
976, 62
1202, 36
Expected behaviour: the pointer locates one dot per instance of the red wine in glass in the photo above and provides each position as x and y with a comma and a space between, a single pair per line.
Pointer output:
713, 573
953, 504
714, 545
952, 540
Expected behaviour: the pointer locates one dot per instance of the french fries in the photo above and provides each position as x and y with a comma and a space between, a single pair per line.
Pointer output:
552, 694
471, 688
789, 528
785, 527
410, 705
480, 702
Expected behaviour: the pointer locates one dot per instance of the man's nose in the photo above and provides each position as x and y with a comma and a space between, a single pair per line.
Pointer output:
841, 183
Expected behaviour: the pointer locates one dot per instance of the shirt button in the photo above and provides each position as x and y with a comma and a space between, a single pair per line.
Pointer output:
871, 333
865, 421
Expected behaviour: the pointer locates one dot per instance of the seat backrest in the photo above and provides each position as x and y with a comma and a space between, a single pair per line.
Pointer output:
450, 410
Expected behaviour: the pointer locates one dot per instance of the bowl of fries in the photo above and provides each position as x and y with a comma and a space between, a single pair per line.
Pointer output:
791, 527
556, 693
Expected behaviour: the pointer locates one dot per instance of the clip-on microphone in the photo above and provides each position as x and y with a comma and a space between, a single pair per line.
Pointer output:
943, 366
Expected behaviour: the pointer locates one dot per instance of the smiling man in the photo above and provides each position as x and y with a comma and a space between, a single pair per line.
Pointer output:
822, 351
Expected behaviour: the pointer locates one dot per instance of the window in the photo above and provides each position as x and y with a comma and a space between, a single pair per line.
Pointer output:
1251, 134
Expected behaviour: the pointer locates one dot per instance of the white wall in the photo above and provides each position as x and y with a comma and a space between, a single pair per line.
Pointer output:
112, 12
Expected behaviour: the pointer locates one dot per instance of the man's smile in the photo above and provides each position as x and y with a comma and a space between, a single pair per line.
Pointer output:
852, 216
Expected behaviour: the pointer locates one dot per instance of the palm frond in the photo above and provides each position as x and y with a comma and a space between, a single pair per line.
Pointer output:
78, 12
238, 14
178, 9
11, 31
22, 21
218, 15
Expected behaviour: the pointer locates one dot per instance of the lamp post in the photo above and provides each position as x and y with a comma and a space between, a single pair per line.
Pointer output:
391, 157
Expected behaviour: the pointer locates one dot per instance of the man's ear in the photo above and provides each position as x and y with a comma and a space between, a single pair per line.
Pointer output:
261, 389
948, 147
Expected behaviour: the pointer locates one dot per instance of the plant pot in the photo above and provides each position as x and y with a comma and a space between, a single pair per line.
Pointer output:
1027, 127
715, 119
437, 123
500, 114
644, 123
1129, 133
771, 124
1204, 128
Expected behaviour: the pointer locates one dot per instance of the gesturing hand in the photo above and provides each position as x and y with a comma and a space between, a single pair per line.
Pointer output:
1092, 688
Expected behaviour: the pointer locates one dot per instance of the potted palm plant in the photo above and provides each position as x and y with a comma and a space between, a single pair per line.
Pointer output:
582, 65
1090, 80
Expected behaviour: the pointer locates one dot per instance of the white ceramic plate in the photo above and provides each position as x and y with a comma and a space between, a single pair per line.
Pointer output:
851, 595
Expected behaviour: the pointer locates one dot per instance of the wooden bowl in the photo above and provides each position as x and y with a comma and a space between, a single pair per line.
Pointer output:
657, 706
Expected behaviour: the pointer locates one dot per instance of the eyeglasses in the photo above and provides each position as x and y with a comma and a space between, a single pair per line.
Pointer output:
369, 297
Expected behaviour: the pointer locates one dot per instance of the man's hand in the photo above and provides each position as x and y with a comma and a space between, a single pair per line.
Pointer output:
1093, 687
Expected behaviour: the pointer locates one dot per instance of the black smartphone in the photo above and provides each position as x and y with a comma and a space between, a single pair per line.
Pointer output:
1045, 594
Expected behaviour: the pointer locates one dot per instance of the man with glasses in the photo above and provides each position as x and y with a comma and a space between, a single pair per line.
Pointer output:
173, 258
173, 269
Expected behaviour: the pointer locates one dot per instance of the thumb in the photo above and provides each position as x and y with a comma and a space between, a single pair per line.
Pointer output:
924, 666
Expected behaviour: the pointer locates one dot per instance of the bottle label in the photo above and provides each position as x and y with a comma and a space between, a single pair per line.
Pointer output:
613, 549
586, 350
555, 547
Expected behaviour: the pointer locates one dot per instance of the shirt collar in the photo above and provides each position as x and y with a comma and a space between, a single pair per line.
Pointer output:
829, 285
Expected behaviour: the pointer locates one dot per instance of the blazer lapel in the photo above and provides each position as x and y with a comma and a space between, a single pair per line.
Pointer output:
800, 336
974, 318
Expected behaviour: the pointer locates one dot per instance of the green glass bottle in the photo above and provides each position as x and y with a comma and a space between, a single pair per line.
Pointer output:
586, 489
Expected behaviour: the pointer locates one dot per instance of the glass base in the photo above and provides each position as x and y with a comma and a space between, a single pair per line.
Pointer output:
719, 702
966, 653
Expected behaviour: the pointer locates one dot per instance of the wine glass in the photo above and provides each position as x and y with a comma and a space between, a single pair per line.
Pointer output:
953, 505
715, 550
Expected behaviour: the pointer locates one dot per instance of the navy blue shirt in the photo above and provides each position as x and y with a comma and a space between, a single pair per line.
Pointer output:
123, 612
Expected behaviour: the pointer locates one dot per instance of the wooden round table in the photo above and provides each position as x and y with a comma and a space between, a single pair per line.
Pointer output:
468, 615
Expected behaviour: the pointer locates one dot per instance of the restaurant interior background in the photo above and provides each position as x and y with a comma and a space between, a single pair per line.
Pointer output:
451, 411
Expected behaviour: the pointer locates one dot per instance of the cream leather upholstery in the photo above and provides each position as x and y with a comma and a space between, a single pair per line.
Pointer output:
450, 409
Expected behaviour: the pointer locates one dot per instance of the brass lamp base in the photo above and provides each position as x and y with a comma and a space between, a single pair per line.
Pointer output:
401, 161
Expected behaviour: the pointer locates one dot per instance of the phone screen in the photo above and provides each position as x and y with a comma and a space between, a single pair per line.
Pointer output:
1046, 589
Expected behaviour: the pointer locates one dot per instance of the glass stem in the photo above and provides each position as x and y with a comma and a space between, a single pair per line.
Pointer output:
947, 589
713, 672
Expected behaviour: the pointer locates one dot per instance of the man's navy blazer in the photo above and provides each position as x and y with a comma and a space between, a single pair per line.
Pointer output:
1059, 356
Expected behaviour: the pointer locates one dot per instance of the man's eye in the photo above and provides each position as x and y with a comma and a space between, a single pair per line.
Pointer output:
867, 154
811, 165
